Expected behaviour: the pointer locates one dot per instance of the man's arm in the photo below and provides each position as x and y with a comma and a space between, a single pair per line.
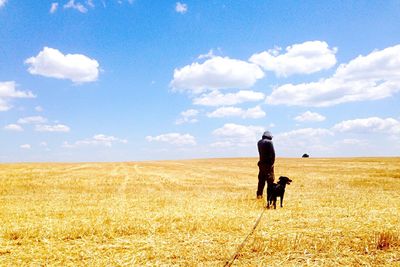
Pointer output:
272, 153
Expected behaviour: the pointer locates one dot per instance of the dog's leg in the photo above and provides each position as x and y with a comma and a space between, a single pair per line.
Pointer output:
269, 200
269, 192
282, 201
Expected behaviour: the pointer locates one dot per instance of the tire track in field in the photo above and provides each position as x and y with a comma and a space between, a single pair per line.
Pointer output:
136, 168
140, 175
122, 188
125, 170
155, 176
117, 172
121, 171
78, 167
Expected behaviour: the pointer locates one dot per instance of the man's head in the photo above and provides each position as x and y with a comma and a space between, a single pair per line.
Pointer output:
267, 135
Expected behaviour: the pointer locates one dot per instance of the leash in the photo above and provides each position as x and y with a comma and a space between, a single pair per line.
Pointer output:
236, 255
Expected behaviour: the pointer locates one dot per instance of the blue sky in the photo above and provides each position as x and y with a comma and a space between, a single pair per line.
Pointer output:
109, 80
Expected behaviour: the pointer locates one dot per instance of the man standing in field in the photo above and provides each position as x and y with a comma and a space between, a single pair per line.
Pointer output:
266, 163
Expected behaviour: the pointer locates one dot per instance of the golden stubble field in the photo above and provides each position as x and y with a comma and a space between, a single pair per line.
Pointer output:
197, 212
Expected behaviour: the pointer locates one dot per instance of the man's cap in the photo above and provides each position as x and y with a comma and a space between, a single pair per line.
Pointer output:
267, 134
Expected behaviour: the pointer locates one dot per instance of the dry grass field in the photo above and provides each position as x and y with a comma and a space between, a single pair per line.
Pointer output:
197, 212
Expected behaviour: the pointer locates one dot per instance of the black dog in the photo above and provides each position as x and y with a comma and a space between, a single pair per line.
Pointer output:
277, 190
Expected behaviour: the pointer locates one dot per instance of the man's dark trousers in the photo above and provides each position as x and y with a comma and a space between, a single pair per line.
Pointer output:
265, 174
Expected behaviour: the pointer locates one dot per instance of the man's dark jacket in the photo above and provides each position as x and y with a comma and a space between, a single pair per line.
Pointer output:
266, 150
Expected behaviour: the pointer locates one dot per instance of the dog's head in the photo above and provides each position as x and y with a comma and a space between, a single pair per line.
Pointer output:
285, 180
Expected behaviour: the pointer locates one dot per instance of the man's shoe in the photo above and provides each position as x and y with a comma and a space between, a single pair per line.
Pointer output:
259, 196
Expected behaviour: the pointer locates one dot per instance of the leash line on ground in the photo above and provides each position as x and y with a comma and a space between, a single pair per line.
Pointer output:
235, 256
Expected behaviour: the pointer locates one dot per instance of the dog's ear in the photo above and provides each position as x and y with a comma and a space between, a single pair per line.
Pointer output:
280, 178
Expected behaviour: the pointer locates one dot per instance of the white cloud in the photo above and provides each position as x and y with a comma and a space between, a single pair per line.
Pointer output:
53, 7
13, 127
237, 135
369, 125
225, 112
108, 139
181, 7
8, 91
306, 140
77, 6
52, 128
308, 135
216, 73
305, 133
32, 120
43, 144
210, 54
39, 109
52, 63
96, 140
25, 146
222, 144
354, 141
359, 137
371, 77
341, 139
90, 3
4, 106
2, 3
309, 116
187, 116
173, 138
216, 98
121, 2
304, 58
252, 113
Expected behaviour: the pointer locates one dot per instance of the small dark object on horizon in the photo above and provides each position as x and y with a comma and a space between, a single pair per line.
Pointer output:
277, 190
305, 156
